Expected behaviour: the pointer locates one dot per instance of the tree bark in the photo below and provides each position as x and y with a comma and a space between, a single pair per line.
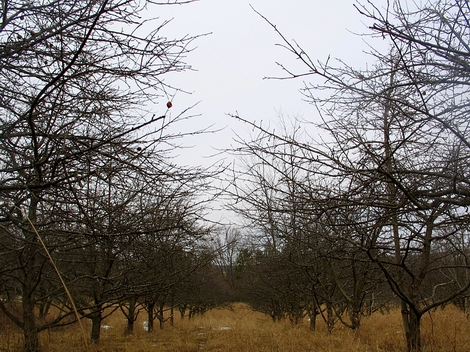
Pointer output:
312, 314
131, 317
150, 315
96, 327
330, 318
413, 335
355, 317
160, 315
30, 331
182, 309
129, 327
130, 311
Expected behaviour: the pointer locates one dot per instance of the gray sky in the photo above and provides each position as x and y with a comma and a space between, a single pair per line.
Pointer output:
231, 62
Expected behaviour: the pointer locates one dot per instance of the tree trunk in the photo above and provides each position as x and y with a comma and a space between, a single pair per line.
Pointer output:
413, 334
129, 327
330, 319
31, 276
96, 327
358, 299
30, 331
355, 318
313, 313
160, 315
150, 315
131, 316
464, 306
182, 310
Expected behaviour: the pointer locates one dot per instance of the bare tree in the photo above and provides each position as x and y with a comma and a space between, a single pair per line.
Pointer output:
282, 198
227, 245
80, 85
396, 151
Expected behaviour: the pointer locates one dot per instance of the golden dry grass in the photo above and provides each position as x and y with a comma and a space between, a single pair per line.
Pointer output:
241, 329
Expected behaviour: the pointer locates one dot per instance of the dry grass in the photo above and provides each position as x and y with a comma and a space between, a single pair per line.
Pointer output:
241, 329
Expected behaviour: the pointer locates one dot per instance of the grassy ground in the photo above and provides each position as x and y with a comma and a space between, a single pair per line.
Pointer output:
241, 329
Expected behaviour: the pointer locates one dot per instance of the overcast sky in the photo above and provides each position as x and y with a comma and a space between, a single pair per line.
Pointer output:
230, 64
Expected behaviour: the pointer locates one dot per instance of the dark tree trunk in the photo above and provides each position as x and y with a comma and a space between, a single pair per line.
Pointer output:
413, 333
313, 321
30, 331
160, 315
355, 317
131, 315
150, 315
172, 309
330, 319
296, 316
313, 311
96, 327
31, 275
129, 327
359, 270
312, 314
182, 310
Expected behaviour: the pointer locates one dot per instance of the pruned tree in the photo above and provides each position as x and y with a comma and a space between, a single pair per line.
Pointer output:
81, 83
395, 151
282, 194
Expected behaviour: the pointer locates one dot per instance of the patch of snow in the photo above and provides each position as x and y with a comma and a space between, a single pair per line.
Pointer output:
224, 328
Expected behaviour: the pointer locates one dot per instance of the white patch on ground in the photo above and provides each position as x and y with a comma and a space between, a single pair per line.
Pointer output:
223, 328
